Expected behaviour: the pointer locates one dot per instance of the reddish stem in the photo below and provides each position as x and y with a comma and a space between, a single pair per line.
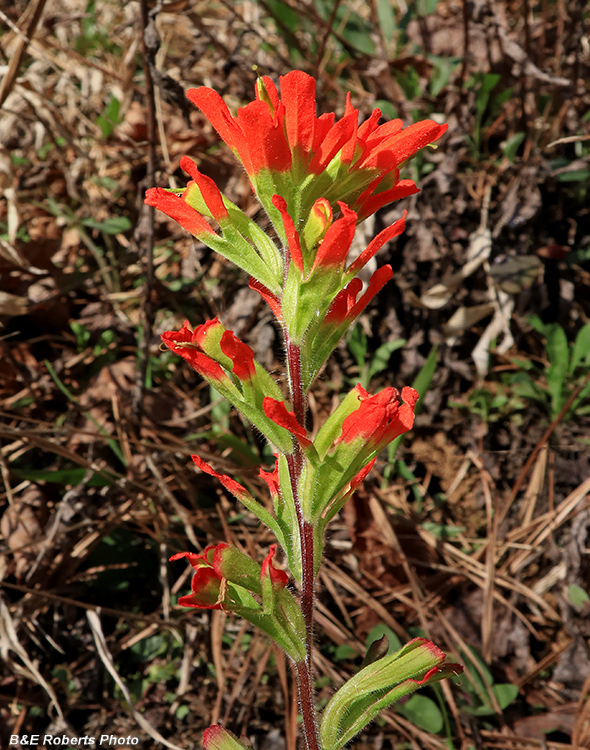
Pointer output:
295, 462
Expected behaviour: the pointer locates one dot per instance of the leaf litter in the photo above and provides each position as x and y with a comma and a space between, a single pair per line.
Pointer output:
479, 536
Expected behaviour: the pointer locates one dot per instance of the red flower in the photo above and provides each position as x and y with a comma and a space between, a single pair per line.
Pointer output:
379, 419
291, 233
283, 134
208, 188
241, 355
206, 585
206, 345
272, 479
188, 344
215, 567
334, 248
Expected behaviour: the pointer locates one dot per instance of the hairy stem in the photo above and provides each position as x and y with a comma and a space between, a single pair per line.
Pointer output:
295, 462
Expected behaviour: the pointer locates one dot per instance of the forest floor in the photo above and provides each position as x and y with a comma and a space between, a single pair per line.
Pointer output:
476, 532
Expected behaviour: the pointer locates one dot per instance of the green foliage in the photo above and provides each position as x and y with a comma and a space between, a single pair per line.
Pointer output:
442, 71
479, 687
486, 105
423, 713
578, 596
512, 144
358, 346
550, 386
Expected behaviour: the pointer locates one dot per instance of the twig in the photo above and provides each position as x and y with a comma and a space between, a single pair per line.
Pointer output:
149, 47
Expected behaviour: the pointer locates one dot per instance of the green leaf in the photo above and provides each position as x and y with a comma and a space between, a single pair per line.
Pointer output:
386, 18
577, 595
109, 118
357, 343
441, 73
62, 476
576, 175
387, 109
443, 531
505, 694
181, 712
114, 225
344, 652
581, 350
285, 14
558, 356
357, 33
423, 713
510, 146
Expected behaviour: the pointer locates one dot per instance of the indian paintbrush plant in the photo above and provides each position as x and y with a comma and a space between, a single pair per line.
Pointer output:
317, 178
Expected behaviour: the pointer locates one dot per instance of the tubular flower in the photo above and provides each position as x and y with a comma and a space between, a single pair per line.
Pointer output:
379, 419
278, 578
188, 344
317, 306
225, 578
378, 685
280, 140
241, 241
228, 365
350, 439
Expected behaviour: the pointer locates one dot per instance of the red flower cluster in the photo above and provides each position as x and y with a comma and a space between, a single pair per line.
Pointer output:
284, 134
191, 346
221, 564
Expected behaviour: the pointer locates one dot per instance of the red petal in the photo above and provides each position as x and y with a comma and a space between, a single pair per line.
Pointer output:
298, 96
373, 202
197, 561
378, 280
277, 411
400, 146
272, 300
230, 484
343, 303
292, 235
216, 111
272, 479
241, 355
206, 587
322, 127
362, 475
208, 188
181, 343
369, 125
265, 138
338, 135
382, 132
377, 243
178, 209
335, 246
